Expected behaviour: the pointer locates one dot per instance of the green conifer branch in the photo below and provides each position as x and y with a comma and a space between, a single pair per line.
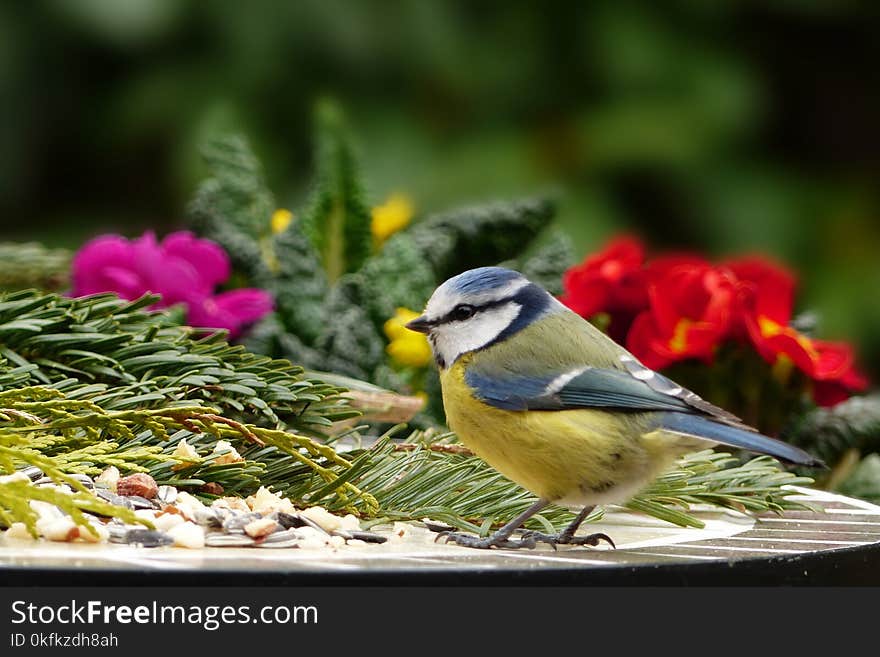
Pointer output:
98, 381
16, 497
460, 489
32, 265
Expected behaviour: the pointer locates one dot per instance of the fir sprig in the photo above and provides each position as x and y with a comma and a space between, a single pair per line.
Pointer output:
16, 497
75, 440
460, 489
32, 265
112, 353
97, 381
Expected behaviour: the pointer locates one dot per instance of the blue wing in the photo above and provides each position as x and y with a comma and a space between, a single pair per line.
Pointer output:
633, 389
702, 427
588, 387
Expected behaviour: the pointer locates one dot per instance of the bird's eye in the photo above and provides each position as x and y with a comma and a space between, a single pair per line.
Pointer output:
463, 312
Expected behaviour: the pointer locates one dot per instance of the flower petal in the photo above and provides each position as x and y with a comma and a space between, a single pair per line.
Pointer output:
645, 343
207, 258
91, 263
230, 310
766, 287
608, 281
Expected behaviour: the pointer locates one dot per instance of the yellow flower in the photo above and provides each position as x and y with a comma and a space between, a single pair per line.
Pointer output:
281, 219
406, 347
393, 215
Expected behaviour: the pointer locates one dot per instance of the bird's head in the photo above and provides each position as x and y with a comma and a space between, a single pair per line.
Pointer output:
478, 308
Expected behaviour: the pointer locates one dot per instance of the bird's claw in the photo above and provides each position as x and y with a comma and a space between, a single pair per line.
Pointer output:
565, 539
529, 540
471, 541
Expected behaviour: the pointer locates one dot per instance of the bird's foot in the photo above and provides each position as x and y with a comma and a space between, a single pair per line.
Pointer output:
471, 541
566, 539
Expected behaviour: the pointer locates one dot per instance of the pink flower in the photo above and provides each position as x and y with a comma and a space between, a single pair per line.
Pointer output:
182, 269
229, 310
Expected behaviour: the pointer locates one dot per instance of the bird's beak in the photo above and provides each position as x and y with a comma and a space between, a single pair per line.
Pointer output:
419, 324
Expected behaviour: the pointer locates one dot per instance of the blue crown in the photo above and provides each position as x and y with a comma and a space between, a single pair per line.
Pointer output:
483, 279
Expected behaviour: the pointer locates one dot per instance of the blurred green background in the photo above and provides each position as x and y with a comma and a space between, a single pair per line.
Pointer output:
720, 126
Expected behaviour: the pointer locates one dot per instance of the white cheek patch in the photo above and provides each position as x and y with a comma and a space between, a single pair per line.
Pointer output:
456, 338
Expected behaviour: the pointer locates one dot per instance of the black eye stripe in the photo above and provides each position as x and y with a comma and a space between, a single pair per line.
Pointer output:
450, 316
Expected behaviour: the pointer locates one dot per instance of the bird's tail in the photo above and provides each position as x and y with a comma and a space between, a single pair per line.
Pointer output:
700, 427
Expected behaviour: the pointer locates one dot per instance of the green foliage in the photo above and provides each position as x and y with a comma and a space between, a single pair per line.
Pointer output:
337, 218
130, 358
547, 265
864, 480
479, 235
97, 381
350, 341
333, 288
830, 432
234, 204
399, 276
237, 196
440, 480
16, 496
32, 265
298, 283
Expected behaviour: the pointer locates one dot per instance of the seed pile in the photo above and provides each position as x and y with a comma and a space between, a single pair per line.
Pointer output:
180, 519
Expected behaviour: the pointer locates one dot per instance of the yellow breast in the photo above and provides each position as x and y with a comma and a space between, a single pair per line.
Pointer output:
582, 455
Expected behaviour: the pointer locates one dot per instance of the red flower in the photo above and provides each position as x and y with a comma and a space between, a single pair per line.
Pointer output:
829, 393
765, 298
609, 281
764, 288
691, 307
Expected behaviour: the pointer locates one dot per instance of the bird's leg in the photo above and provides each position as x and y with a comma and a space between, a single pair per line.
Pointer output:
567, 537
501, 538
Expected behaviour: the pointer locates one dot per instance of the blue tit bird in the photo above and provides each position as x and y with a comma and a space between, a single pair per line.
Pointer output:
558, 407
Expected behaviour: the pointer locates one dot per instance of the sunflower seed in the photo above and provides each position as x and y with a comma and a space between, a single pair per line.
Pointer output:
85, 480
236, 523
285, 538
293, 521
32, 472
289, 520
142, 537
287, 543
139, 502
112, 498
228, 540
167, 494
208, 517
366, 537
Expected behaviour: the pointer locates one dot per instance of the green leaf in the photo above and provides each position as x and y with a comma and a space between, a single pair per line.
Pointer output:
480, 235
299, 284
351, 344
234, 206
830, 432
337, 218
547, 265
864, 480
399, 276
